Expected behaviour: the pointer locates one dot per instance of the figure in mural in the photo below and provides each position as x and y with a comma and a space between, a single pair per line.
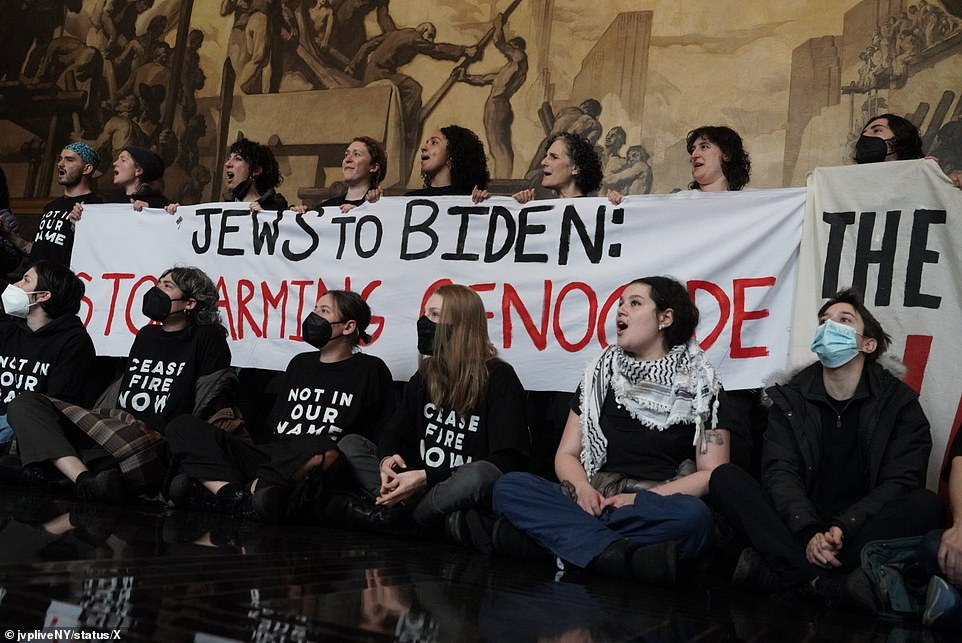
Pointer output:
382, 56
192, 77
249, 45
498, 115
33, 32
611, 159
948, 149
121, 129
305, 58
348, 34
636, 175
141, 51
579, 119
120, 26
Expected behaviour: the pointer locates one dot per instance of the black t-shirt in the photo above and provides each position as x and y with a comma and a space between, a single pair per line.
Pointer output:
447, 190
341, 200
440, 440
148, 195
841, 480
55, 232
55, 360
641, 452
162, 371
355, 395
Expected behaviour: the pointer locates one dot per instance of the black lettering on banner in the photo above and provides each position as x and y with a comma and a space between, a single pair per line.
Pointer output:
424, 228
358, 235
884, 257
571, 218
919, 254
526, 229
268, 232
201, 248
315, 240
342, 241
464, 212
499, 213
837, 222
226, 228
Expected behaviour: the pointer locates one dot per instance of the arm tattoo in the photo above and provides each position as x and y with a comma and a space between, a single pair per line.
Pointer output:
713, 436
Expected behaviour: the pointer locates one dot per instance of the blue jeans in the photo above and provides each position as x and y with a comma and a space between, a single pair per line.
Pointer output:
540, 509
6, 434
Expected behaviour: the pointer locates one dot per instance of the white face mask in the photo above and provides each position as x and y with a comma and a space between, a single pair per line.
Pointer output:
16, 301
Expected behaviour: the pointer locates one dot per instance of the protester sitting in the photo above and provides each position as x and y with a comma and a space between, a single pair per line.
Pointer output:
646, 428
164, 378
45, 346
452, 163
459, 427
941, 551
328, 396
843, 463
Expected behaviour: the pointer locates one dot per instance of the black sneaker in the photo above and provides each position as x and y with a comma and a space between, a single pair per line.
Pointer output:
654, 564
270, 502
235, 500
188, 493
753, 574
106, 486
508, 540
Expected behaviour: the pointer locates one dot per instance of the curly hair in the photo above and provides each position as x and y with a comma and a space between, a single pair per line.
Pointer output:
907, 142
582, 156
469, 165
195, 284
667, 292
259, 157
378, 157
736, 164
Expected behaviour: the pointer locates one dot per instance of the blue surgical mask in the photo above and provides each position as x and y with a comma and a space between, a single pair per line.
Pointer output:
835, 344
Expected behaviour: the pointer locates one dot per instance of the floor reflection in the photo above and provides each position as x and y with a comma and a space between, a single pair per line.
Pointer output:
163, 575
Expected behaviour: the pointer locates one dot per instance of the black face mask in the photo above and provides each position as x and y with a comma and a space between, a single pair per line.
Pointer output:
871, 149
241, 190
426, 330
317, 331
157, 304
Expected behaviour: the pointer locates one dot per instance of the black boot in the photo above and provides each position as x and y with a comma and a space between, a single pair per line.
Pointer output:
654, 564
510, 541
351, 511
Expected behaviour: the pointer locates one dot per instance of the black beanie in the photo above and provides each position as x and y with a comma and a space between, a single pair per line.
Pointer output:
149, 162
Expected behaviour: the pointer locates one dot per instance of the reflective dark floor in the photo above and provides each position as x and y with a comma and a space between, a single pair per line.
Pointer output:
160, 575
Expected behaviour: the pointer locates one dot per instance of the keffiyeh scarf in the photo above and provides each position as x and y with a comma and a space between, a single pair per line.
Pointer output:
681, 387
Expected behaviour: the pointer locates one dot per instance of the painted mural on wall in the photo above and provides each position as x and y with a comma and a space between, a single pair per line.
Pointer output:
306, 76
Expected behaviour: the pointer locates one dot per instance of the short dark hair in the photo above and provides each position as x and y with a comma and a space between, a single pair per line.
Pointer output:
872, 328
907, 142
583, 156
378, 155
351, 306
667, 292
259, 157
469, 165
738, 166
65, 288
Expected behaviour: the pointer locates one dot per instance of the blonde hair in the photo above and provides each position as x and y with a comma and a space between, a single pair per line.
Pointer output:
457, 374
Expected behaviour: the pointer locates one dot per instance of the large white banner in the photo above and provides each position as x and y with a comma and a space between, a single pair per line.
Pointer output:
894, 232
549, 272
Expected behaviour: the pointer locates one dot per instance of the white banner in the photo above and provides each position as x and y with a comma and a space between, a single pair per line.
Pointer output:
894, 232
549, 273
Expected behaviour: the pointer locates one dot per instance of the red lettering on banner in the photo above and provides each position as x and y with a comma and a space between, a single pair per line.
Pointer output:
592, 311
605, 311
273, 302
86, 300
741, 316
131, 326
243, 313
117, 277
480, 288
915, 357
512, 298
224, 302
724, 308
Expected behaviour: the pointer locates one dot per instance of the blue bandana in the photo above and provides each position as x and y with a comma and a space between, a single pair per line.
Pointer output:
85, 152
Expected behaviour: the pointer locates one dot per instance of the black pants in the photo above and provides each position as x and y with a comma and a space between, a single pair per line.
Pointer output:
746, 506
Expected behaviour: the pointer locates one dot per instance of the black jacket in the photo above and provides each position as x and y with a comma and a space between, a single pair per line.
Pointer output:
893, 436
